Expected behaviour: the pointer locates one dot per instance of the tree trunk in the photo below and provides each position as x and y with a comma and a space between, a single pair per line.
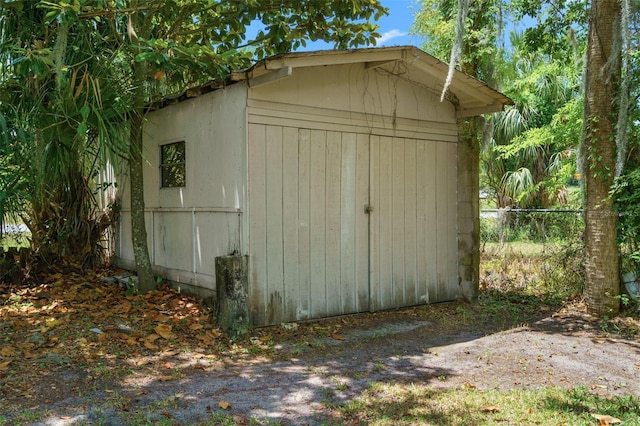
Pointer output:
146, 280
602, 284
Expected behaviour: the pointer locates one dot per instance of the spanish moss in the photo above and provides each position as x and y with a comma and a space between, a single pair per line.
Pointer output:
456, 50
623, 106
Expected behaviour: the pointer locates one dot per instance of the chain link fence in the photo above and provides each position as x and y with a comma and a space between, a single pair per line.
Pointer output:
531, 225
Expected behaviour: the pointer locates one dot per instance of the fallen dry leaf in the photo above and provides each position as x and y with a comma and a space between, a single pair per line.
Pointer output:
489, 409
150, 345
605, 420
5, 364
8, 351
152, 337
224, 405
161, 318
165, 378
338, 337
164, 331
123, 307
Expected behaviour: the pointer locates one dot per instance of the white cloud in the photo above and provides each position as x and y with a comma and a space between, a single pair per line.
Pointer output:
389, 35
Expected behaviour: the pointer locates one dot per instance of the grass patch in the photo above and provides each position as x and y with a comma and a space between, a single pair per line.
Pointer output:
410, 404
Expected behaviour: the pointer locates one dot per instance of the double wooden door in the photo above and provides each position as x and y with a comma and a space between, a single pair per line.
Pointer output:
341, 223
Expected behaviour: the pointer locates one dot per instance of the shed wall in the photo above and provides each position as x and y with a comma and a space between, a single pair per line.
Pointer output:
188, 227
323, 144
371, 97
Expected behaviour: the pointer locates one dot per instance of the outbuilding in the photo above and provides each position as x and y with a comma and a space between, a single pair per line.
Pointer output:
333, 174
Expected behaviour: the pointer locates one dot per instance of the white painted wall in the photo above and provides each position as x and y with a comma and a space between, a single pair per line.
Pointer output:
353, 95
323, 143
188, 227
282, 172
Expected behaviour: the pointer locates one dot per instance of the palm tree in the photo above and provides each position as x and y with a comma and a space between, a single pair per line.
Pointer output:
531, 139
90, 70
60, 109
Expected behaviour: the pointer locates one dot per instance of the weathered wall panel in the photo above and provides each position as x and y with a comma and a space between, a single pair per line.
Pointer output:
274, 225
347, 260
426, 180
173, 240
361, 222
413, 224
303, 167
215, 234
305, 265
410, 230
213, 127
353, 89
258, 292
290, 215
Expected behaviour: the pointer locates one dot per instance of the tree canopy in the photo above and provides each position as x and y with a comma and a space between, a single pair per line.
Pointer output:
77, 74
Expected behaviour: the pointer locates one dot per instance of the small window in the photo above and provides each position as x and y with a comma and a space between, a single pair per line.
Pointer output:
172, 165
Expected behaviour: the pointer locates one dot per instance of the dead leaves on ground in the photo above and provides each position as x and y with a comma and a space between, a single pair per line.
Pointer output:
605, 420
85, 319
225, 405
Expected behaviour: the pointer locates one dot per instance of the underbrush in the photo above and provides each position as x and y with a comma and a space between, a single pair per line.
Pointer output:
532, 273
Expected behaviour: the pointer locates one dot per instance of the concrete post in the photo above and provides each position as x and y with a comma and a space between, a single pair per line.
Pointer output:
469, 206
232, 294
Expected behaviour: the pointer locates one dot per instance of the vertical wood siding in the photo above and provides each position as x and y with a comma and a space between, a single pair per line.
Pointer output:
314, 252
413, 225
308, 235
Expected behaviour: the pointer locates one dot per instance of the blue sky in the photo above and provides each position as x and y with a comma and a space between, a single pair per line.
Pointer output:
394, 28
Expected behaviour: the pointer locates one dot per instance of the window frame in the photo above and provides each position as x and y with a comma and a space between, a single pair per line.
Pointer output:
168, 175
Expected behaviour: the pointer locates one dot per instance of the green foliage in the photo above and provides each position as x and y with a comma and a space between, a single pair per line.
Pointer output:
626, 188
482, 54
181, 43
399, 403
536, 227
556, 22
536, 139
553, 149
75, 71
55, 115
626, 195
529, 153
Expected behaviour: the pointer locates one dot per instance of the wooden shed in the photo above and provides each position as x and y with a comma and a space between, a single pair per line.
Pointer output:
333, 172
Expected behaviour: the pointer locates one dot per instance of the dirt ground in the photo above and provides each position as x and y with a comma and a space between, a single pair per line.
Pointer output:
296, 374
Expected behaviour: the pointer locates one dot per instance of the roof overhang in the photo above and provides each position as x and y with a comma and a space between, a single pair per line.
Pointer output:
471, 96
